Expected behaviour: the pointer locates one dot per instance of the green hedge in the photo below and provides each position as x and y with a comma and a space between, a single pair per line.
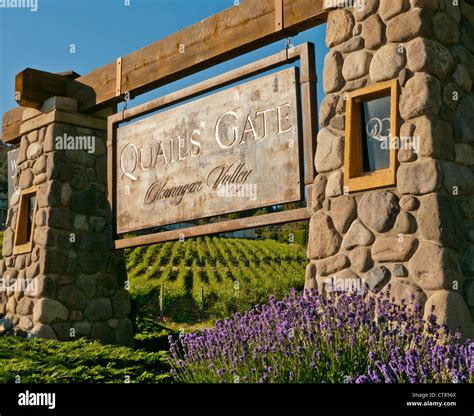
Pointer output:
41, 361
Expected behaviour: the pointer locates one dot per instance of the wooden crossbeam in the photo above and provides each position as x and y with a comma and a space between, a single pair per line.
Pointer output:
34, 87
11, 125
284, 217
223, 36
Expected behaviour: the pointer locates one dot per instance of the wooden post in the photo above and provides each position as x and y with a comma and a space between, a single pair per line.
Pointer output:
162, 297
201, 307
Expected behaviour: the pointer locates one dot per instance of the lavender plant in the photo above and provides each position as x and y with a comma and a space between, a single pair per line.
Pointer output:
344, 338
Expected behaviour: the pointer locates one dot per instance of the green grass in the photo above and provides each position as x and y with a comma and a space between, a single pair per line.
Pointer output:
41, 361
211, 278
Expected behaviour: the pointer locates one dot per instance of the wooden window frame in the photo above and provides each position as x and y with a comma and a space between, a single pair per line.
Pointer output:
21, 223
354, 177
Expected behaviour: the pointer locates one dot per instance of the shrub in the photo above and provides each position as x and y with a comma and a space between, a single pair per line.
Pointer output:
151, 335
343, 338
43, 361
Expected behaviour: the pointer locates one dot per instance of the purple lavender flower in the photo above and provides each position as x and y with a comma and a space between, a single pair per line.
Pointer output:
342, 338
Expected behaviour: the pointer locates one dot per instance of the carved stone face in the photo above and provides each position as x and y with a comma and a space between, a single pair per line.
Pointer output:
92, 254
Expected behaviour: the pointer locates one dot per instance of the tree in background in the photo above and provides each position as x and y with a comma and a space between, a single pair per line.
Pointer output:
4, 168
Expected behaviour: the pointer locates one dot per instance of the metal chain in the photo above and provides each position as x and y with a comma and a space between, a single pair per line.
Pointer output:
287, 46
126, 99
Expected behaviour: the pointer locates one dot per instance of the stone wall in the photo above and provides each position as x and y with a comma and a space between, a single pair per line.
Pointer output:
70, 285
418, 236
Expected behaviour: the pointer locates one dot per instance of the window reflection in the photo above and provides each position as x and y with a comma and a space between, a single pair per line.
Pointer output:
375, 134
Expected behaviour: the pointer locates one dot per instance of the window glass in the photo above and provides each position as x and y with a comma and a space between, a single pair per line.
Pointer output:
375, 134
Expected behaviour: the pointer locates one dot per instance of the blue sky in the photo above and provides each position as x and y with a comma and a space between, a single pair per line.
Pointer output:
102, 30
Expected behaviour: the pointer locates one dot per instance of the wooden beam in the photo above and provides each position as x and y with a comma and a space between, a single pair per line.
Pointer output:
295, 215
225, 35
11, 123
33, 87
230, 33
70, 74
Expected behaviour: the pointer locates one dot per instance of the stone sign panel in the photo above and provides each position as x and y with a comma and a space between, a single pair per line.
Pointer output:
234, 150
12, 156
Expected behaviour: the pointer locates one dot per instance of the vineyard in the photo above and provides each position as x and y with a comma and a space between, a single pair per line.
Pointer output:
211, 277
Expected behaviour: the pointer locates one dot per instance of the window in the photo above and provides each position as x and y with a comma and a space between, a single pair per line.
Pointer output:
371, 137
25, 225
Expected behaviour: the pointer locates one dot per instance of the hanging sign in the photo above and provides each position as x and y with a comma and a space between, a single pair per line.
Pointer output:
230, 151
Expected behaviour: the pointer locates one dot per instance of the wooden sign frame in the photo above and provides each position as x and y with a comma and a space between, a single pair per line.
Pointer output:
22, 244
354, 178
305, 53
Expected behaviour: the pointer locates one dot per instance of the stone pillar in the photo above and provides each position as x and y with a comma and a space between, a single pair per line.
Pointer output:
70, 284
419, 235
